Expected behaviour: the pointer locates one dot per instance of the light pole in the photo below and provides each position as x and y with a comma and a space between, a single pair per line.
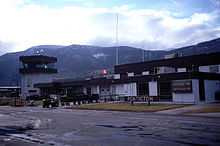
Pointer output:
116, 41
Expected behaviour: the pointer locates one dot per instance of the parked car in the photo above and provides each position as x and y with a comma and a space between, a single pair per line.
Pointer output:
50, 102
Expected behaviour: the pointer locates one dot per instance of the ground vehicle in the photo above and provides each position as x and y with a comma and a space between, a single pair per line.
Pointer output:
49, 102
79, 98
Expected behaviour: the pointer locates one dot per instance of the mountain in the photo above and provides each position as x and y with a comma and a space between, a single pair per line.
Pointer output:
78, 60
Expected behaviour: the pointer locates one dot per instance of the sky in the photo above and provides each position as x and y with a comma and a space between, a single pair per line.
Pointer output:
148, 24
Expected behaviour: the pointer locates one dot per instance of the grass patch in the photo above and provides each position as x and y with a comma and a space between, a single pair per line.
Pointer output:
137, 107
207, 109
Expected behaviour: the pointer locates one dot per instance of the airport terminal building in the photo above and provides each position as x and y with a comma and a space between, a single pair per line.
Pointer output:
188, 79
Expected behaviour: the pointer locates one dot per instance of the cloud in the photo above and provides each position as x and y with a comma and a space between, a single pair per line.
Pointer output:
216, 3
25, 24
152, 29
5, 47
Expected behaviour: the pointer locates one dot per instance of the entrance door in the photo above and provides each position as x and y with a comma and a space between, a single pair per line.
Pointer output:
201, 90
165, 90
142, 89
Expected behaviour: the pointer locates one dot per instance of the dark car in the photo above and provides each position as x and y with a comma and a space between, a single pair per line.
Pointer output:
50, 102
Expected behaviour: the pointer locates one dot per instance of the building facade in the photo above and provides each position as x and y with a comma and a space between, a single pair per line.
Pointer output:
10, 91
188, 79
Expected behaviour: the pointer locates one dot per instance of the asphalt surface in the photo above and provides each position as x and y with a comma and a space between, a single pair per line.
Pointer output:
35, 126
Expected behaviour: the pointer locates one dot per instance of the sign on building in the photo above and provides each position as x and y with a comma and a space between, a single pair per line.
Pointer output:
182, 86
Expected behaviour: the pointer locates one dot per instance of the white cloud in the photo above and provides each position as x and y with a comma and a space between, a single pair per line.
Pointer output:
5, 47
25, 24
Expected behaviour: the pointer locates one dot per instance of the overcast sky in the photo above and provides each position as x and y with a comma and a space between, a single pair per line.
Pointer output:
149, 24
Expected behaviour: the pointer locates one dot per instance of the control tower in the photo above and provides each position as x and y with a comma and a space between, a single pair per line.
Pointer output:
36, 69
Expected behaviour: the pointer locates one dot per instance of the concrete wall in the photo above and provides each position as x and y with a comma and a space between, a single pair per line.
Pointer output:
188, 97
211, 86
28, 81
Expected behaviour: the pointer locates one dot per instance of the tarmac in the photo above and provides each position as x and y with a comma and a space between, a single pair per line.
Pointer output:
35, 126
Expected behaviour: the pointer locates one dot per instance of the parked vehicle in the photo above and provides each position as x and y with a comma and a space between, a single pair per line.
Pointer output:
50, 102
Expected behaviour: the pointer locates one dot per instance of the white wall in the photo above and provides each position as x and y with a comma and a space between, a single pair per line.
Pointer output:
211, 86
31, 79
188, 97
153, 88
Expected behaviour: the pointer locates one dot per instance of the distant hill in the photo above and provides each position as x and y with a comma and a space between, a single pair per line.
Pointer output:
77, 60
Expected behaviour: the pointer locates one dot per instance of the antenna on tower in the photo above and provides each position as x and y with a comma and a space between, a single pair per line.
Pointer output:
41, 51
37, 52
116, 41
143, 52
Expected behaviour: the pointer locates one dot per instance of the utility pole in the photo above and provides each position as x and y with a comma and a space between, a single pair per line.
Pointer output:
116, 41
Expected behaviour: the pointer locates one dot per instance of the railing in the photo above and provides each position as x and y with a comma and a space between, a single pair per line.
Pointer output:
37, 70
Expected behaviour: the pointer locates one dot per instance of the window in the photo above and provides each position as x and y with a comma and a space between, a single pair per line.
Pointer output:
130, 74
29, 82
145, 73
214, 68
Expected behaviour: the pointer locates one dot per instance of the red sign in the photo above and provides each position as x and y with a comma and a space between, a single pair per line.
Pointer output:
104, 71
